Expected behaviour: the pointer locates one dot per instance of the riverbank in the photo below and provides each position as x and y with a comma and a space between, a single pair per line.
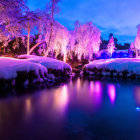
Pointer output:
121, 68
32, 71
29, 70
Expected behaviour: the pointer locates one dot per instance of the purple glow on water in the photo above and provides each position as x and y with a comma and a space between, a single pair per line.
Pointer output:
91, 87
98, 93
138, 109
112, 93
97, 87
137, 96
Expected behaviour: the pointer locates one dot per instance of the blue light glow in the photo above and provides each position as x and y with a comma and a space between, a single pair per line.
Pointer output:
138, 108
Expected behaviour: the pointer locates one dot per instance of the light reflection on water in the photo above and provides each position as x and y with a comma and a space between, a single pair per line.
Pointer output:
112, 93
28, 106
81, 109
61, 98
137, 98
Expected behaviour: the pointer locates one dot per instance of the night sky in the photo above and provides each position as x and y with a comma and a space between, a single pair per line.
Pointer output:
119, 17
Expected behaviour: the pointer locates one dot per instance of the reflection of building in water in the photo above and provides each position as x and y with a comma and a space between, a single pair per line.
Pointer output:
112, 93
61, 98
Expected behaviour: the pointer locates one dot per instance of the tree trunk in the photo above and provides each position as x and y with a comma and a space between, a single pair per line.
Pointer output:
16, 42
35, 46
50, 38
28, 42
52, 21
4, 50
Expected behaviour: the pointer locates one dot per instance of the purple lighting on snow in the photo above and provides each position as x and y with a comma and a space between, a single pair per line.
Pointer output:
112, 93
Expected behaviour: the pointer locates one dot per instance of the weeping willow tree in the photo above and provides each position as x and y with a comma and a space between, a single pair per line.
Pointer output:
53, 9
137, 43
85, 40
59, 40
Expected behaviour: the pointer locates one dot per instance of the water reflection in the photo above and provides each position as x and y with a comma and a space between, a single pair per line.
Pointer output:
98, 87
80, 105
61, 98
78, 85
28, 105
112, 93
137, 97
91, 86
28, 108
138, 108
96, 92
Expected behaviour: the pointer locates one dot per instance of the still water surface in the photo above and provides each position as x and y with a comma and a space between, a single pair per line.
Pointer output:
80, 109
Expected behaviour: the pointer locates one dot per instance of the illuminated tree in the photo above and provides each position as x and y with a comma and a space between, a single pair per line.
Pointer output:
85, 40
137, 42
60, 39
53, 9
111, 45
29, 21
47, 26
10, 11
15, 31
3, 37
132, 47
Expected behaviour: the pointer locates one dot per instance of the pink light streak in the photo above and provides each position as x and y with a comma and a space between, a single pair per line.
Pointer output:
112, 93
61, 99
97, 87
96, 91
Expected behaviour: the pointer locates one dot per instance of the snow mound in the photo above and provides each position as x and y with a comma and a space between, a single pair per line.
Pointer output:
129, 65
9, 68
47, 62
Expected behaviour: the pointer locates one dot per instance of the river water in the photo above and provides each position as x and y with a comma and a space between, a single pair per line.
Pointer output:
79, 109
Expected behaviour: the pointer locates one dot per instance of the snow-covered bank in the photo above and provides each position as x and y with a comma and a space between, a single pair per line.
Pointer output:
121, 67
31, 70
56, 67
15, 70
47, 62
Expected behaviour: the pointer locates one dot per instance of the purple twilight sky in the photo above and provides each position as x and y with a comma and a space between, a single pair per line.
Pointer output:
119, 17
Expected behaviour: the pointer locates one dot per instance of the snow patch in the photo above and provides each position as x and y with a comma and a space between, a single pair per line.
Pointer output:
47, 62
9, 68
119, 65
